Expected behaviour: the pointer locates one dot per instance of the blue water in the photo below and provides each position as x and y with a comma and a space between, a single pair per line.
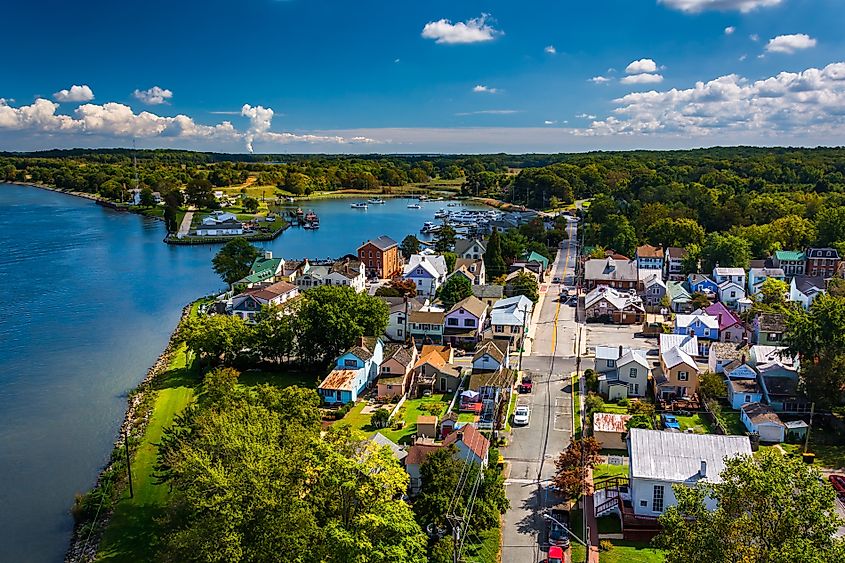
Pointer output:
90, 297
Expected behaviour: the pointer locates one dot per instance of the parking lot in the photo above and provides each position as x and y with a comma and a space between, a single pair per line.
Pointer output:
617, 335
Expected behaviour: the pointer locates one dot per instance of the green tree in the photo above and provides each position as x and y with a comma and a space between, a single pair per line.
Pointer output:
793, 232
146, 197
712, 385
331, 318
250, 204
524, 284
217, 338
774, 292
199, 193
454, 289
274, 334
728, 251
380, 418
616, 232
171, 219
410, 245
639, 421
690, 263
445, 239
494, 264
668, 231
570, 464
830, 223
233, 261
451, 258
771, 508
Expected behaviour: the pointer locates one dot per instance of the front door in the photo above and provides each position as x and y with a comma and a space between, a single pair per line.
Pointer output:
443, 384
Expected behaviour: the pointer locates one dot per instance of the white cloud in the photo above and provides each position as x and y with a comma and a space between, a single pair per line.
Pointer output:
585, 116
481, 89
117, 121
475, 30
730, 30
489, 112
75, 94
549, 122
550, 49
153, 96
743, 6
754, 37
807, 103
790, 43
644, 78
742, 57
640, 66
600, 79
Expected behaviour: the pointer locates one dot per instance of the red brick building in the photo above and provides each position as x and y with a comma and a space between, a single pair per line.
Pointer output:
381, 257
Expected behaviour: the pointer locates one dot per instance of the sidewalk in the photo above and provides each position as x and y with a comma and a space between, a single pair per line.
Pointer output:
590, 515
185, 226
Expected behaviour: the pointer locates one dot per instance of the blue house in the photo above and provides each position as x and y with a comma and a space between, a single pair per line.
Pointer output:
700, 283
354, 370
703, 326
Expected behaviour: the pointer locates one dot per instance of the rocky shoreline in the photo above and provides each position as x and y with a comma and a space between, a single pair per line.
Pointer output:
87, 534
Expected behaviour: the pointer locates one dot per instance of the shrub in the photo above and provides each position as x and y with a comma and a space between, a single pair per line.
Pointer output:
380, 418
641, 407
605, 545
593, 403
432, 407
624, 402
592, 379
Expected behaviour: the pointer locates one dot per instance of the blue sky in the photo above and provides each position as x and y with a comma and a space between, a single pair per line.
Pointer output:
459, 76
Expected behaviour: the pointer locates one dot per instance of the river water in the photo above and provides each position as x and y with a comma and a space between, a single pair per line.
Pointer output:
90, 297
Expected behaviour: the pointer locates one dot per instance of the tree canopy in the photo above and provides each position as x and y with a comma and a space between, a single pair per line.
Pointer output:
232, 262
454, 289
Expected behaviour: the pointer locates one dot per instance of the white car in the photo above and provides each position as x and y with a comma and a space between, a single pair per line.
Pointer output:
520, 415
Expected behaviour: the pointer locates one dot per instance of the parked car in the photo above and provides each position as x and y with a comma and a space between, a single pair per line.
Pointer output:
555, 554
557, 533
520, 415
526, 385
556, 279
670, 422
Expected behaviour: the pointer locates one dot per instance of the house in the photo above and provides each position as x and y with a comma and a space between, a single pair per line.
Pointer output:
731, 327
465, 321
509, 280
489, 293
610, 429
660, 460
536, 257
724, 354
381, 257
417, 455
673, 259
677, 374
805, 289
532, 266
756, 277
792, 262
763, 420
217, 217
400, 309
434, 372
730, 293
680, 300
220, 228
471, 445
781, 393
348, 271
740, 371
427, 426
608, 272
426, 324
735, 275
768, 329
395, 370
510, 318
491, 355
742, 391
822, 262
382, 441
473, 270
628, 379
649, 257
470, 249
427, 271
705, 326
264, 268
247, 304
685, 342
701, 283
607, 356
654, 288
353, 371
490, 391
606, 304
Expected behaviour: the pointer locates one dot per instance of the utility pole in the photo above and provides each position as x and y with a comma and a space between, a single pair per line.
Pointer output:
455, 521
809, 428
128, 462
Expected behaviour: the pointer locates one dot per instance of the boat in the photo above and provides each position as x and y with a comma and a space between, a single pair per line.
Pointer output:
299, 212
452, 204
427, 226
315, 224
376, 201
359, 205
413, 206
441, 214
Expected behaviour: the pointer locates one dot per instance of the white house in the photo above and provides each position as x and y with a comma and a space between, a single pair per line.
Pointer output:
736, 275
756, 277
730, 292
805, 289
397, 320
220, 228
427, 271
216, 217
629, 379
763, 420
659, 460
607, 356
491, 355
511, 318
247, 304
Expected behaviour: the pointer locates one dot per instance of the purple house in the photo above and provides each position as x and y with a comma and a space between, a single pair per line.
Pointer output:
465, 321
731, 328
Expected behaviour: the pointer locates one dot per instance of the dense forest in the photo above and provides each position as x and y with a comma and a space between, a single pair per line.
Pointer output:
726, 204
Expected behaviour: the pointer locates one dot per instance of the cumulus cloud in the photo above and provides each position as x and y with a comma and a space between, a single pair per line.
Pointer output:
585, 116
600, 79
550, 49
743, 6
640, 66
74, 94
730, 30
644, 78
153, 96
790, 43
807, 102
475, 30
117, 120
482, 89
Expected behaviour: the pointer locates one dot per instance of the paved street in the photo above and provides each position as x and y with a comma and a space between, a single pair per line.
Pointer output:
533, 448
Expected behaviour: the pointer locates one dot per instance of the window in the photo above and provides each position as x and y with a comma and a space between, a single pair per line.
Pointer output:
683, 376
644, 503
633, 388
399, 332
370, 253
385, 369
469, 322
657, 499
632, 373
733, 293
499, 328
452, 322
748, 398
516, 329
611, 363
706, 332
774, 336
350, 363
419, 271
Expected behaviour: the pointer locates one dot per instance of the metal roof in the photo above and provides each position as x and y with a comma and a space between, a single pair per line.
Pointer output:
679, 457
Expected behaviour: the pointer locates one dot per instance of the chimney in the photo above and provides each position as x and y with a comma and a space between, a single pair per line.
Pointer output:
268, 254
702, 472
742, 360
620, 350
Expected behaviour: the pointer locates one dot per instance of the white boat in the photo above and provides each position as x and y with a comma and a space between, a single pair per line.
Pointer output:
376, 201
413, 206
441, 214
452, 204
359, 205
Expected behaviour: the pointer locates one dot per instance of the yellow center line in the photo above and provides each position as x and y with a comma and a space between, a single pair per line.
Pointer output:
557, 309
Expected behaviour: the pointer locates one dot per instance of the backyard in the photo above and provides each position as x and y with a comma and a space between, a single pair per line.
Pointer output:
695, 422
410, 411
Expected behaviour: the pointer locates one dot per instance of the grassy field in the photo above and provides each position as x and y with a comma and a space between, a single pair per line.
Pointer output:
732, 422
696, 422
614, 408
413, 409
631, 552
605, 470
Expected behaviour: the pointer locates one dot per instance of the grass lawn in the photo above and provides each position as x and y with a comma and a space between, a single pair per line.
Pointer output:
413, 410
605, 470
280, 379
697, 422
732, 422
511, 407
483, 547
466, 417
614, 408
631, 552
829, 449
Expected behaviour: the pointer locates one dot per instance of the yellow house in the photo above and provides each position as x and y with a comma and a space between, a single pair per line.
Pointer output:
678, 375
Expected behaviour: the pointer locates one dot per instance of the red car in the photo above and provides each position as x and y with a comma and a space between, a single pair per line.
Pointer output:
838, 482
526, 385
555, 554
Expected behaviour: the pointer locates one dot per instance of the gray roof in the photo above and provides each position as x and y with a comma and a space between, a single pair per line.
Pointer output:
806, 284
677, 457
382, 243
462, 245
608, 269
488, 291
380, 440
823, 253
397, 304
